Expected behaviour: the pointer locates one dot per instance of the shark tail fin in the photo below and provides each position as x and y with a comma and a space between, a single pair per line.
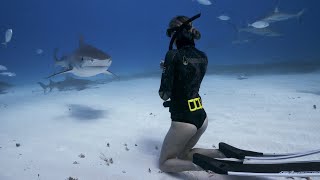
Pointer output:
44, 87
299, 14
50, 85
236, 29
55, 57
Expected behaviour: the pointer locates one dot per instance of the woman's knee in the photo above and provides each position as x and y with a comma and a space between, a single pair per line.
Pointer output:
162, 168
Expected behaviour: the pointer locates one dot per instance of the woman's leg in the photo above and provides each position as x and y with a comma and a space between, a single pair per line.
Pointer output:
174, 143
187, 153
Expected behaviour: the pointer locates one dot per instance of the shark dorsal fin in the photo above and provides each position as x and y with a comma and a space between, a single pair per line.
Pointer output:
81, 41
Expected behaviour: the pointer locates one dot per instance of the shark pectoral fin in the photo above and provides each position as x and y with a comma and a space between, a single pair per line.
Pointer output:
110, 73
299, 14
44, 87
62, 72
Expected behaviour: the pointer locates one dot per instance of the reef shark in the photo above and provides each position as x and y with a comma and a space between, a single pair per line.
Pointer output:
85, 61
277, 16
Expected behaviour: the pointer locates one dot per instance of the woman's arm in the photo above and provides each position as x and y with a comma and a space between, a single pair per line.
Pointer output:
167, 75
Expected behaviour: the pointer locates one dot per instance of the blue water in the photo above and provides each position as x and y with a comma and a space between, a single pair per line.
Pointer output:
133, 32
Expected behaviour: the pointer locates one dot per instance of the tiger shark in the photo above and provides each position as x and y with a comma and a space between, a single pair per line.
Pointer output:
85, 61
277, 16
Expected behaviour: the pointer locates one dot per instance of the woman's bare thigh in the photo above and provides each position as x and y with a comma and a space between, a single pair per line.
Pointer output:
176, 139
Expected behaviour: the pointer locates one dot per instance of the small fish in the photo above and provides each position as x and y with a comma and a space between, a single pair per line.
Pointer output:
39, 51
205, 2
259, 24
8, 36
3, 68
10, 74
242, 76
224, 18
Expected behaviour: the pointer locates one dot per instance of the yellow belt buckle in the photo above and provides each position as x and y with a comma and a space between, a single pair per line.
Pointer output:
194, 101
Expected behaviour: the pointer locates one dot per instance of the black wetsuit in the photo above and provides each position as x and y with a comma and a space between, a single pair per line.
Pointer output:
182, 75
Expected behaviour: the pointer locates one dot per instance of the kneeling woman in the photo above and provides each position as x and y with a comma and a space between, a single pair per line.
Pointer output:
183, 71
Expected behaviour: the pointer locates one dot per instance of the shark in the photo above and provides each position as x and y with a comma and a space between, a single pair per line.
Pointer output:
69, 83
277, 16
85, 61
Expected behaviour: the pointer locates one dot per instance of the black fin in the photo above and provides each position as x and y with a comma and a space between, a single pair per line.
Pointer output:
59, 73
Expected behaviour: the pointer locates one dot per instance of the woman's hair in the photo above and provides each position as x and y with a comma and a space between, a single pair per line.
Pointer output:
189, 33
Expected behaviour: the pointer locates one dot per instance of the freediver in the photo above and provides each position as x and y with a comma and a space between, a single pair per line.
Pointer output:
183, 71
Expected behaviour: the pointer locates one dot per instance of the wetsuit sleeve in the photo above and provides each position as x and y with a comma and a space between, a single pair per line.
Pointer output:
167, 76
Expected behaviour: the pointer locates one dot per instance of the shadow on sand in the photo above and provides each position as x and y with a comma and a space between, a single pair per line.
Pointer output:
85, 113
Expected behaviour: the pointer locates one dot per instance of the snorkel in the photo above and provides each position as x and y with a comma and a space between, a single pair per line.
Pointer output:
178, 30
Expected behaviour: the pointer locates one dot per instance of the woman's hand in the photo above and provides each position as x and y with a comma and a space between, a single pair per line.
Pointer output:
161, 64
166, 104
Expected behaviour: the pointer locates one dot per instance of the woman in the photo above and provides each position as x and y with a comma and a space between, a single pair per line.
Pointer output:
183, 71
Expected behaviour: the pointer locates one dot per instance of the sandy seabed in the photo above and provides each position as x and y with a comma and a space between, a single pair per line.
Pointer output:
125, 121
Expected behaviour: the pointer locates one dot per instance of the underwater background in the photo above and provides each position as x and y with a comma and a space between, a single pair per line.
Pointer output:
134, 33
